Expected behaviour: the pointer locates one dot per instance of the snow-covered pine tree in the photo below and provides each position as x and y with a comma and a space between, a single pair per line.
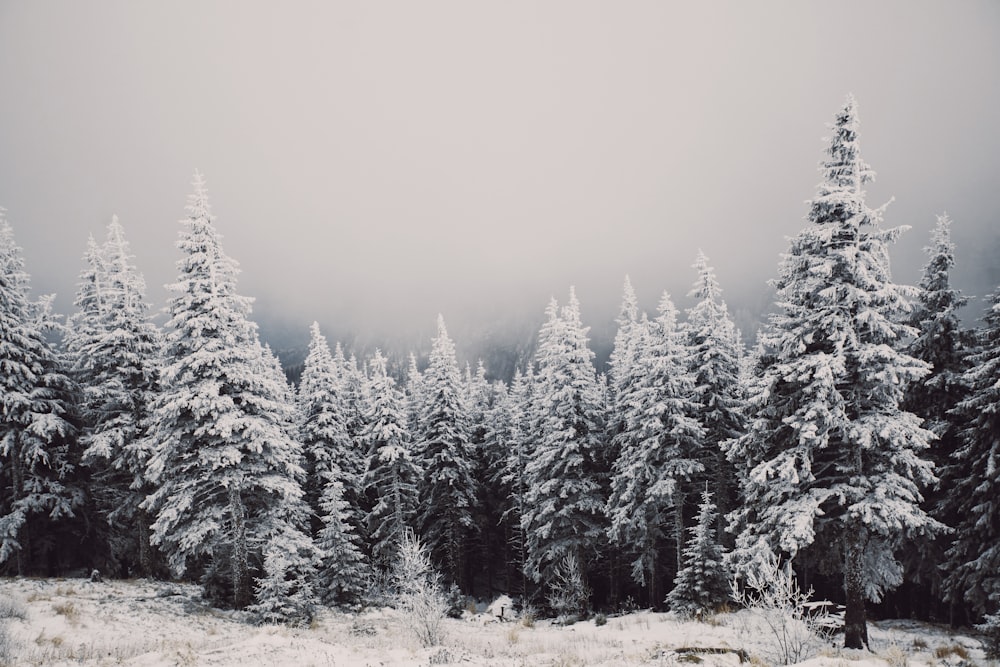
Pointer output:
357, 400
622, 362
227, 474
658, 446
391, 476
489, 539
830, 460
564, 512
115, 352
285, 592
414, 394
447, 488
344, 572
942, 342
715, 357
510, 431
38, 455
702, 585
330, 454
973, 561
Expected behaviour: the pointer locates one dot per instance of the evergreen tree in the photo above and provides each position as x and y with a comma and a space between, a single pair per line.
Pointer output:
830, 460
227, 474
703, 584
621, 365
658, 446
510, 432
414, 396
973, 561
327, 444
488, 456
115, 348
564, 509
447, 489
715, 355
285, 592
391, 475
344, 572
942, 342
38, 456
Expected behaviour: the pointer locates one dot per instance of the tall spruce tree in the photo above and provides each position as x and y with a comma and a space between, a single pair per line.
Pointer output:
330, 454
973, 561
38, 454
115, 352
344, 571
621, 364
227, 474
511, 432
942, 342
715, 357
391, 476
447, 488
564, 513
489, 542
658, 447
831, 463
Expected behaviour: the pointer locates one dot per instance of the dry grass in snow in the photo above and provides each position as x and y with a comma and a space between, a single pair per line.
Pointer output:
153, 624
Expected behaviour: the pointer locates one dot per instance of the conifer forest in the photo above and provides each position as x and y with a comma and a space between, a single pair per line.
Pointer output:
853, 440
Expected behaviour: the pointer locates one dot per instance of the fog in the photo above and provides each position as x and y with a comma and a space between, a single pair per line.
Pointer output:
374, 163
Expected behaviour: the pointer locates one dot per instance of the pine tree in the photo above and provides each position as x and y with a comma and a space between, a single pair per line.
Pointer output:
702, 586
624, 357
391, 475
227, 474
323, 432
942, 342
414, 396
344, 572
715, 354
510, 432
564, 512
38, 457
115, 348
657, 446
285, 592
830, 460
973, 561
489, 541
447, 489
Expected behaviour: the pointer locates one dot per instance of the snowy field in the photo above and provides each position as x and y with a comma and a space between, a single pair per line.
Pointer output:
76, 622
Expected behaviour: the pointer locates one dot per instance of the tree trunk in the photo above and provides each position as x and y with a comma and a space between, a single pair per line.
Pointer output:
855, 622
18, 478
145, 548
679, 527
242, 594
653, 602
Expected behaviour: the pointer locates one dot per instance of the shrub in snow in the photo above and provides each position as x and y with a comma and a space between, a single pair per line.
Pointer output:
502, 608
9, 608
991, 628
418, 591
569, 594
770, 593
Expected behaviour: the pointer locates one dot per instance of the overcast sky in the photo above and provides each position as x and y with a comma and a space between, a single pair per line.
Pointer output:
374, 163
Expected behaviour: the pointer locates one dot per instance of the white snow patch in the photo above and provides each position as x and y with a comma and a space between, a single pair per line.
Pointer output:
155, 624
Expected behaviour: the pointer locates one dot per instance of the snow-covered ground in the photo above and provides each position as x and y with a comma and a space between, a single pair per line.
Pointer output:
76, 622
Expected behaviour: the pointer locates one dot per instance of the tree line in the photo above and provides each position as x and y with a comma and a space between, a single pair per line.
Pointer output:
857, 439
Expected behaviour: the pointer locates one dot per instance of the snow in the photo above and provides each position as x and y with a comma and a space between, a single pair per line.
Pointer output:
155, 624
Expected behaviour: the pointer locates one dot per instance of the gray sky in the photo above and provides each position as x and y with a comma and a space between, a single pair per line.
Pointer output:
374, 163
